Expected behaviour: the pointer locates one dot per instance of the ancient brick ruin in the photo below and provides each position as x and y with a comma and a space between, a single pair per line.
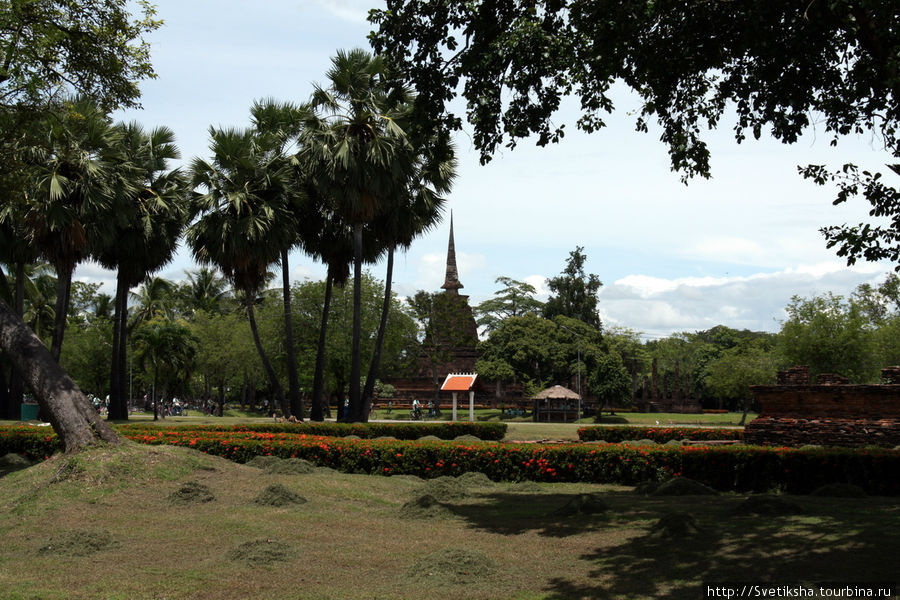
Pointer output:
449, 345
830, 412
664, 394
453, 337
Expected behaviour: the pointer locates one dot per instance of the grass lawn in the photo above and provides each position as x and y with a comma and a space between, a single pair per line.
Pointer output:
106, 524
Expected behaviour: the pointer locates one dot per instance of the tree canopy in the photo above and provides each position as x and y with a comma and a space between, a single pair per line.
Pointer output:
90, 47
574, 293
778, 67
773, 64
515, 299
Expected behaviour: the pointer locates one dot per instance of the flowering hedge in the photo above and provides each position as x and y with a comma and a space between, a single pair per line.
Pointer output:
401, 431
35, 443
739, 468
658, 434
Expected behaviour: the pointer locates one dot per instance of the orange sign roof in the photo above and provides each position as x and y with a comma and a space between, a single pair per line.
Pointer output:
458, 383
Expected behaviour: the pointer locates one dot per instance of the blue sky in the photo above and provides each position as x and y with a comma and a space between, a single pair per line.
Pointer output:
729, 250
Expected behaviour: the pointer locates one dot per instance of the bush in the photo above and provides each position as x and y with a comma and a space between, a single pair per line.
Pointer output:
35, 443
400, 431
660, 435
724, 468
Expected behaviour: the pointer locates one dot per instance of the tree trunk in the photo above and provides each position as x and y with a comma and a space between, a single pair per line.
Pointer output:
746, 403
63, 289
316, 410
154, 397
270, 372
369, 390
296, 402
355, 357
73, 418
118, 407
124, 384
16, 383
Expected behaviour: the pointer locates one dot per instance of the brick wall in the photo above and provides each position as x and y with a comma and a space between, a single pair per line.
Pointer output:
829, 414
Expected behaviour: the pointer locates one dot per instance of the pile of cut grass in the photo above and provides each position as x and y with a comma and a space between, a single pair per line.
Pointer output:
279, 495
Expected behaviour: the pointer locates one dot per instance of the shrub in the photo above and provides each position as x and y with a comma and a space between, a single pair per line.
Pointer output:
739, 468
35, 443
660, 435
400, 431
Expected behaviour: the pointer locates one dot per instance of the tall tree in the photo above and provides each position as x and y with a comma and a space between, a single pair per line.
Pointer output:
354, 147
277, 125
574, 294
831, 335
417, 211
514, 299
332, 243
238, 227
51, 48
149, 218
68, 207
205, 291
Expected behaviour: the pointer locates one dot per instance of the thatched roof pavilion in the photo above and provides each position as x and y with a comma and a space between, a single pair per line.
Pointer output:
556, 403
556, 392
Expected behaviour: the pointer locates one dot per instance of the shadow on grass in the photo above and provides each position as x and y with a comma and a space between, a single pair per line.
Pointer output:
831, 540
510, 513
834, 541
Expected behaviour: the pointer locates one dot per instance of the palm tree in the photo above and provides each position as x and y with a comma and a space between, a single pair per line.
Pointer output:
40, 293
358, 155
238, 228
153, 299
326, 237
167, 349
206, 290
149, 218
277, 124
419, 209
103, 306
60, 192
71, 200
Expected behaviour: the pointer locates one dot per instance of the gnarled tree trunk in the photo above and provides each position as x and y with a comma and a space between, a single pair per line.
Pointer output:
73, 417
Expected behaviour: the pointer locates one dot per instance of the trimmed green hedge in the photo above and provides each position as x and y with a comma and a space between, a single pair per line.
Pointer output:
661, 435
401, 431
737, 468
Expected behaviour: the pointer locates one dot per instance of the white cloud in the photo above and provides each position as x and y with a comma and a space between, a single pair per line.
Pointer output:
304, 272
540, 285
659, 306
91, 272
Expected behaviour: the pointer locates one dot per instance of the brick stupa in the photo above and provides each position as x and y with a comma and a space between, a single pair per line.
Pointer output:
450, 344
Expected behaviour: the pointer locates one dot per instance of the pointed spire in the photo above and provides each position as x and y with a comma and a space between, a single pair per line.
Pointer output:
451, 280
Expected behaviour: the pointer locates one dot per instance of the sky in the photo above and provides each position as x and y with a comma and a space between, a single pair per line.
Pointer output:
730, 250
